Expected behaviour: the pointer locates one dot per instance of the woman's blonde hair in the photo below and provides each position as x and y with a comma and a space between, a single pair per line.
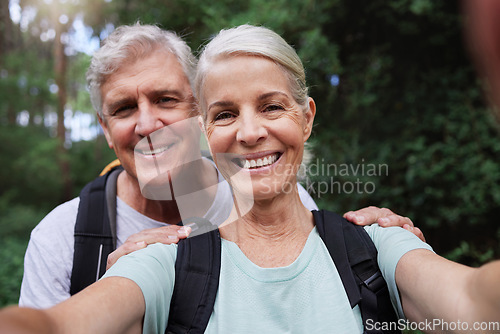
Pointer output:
258, 41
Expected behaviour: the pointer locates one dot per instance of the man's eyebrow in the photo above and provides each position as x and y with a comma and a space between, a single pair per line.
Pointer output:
155, 93
160, 92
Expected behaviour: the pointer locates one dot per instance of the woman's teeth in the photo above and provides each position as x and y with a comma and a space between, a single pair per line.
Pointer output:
261, 162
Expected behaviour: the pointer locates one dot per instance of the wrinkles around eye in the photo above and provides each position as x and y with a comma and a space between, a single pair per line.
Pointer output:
122, 111
273, 107
223, 116
167, 101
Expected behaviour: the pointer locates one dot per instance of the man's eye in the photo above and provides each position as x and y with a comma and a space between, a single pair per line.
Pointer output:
122, 110
166, 100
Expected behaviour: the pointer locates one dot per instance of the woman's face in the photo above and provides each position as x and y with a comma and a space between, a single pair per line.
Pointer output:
254, 125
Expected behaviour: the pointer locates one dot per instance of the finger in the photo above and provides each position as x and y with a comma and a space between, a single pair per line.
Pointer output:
351, 216
184, 232
162, 238
394, 220
166, 235
368, 215
419, 233
126, 248
416, 231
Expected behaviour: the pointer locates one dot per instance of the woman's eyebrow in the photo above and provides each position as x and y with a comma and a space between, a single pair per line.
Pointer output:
221, 104
271, 94
225, 104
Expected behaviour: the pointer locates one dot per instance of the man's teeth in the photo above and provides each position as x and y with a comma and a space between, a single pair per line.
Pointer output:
157, 150
261, 162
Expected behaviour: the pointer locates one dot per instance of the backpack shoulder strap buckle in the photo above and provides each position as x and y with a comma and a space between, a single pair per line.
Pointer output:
375, 282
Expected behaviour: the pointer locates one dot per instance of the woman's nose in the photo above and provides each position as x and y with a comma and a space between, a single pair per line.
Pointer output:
251, 130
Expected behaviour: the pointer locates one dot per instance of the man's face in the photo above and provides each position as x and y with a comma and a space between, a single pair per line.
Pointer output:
143, 96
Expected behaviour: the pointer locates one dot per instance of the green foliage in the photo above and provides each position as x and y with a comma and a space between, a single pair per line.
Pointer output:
79, 98
30, 175
471, 254
408, 98
17, 220
11, 269
32, 84
96, 154
16, 223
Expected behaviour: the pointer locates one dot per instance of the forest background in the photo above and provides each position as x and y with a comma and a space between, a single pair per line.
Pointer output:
402, 121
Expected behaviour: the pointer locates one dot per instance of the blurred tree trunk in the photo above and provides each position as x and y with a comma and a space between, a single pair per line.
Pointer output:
60, 72
5, 30
6, 46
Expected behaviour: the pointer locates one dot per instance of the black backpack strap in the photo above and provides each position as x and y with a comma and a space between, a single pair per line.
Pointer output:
197, 271
355, 257
198, 225
330, 229
95, 230
111, 191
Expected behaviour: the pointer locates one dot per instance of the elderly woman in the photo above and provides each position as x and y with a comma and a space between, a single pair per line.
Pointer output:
276, 274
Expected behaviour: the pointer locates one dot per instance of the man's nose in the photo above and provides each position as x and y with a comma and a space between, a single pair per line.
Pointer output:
148, 120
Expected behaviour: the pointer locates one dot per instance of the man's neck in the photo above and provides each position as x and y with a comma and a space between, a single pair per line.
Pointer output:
128, 190
193, 202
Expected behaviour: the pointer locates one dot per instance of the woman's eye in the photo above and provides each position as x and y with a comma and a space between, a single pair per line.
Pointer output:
273, 107
223, 116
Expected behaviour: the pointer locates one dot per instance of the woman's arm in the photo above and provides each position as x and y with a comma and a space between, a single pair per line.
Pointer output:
435, 289
111, 305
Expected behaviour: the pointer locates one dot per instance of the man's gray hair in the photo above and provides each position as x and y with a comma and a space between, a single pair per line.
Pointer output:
130, 43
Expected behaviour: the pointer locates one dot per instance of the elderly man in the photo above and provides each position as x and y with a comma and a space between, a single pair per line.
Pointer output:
139, 84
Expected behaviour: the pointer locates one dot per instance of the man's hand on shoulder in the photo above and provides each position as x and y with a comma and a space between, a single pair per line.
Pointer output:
384, 217
170, 234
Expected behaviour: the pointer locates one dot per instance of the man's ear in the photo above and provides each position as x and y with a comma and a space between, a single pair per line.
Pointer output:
309, 118
104, 126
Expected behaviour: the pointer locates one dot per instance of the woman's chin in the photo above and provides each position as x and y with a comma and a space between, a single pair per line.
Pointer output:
262, 191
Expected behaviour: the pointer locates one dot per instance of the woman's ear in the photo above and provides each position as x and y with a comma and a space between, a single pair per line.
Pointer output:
309, 118
201, 124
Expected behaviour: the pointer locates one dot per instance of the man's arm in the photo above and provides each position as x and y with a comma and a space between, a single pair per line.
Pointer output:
112, 305
49, 258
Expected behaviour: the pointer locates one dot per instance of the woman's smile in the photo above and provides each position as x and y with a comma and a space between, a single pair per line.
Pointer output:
257, 161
